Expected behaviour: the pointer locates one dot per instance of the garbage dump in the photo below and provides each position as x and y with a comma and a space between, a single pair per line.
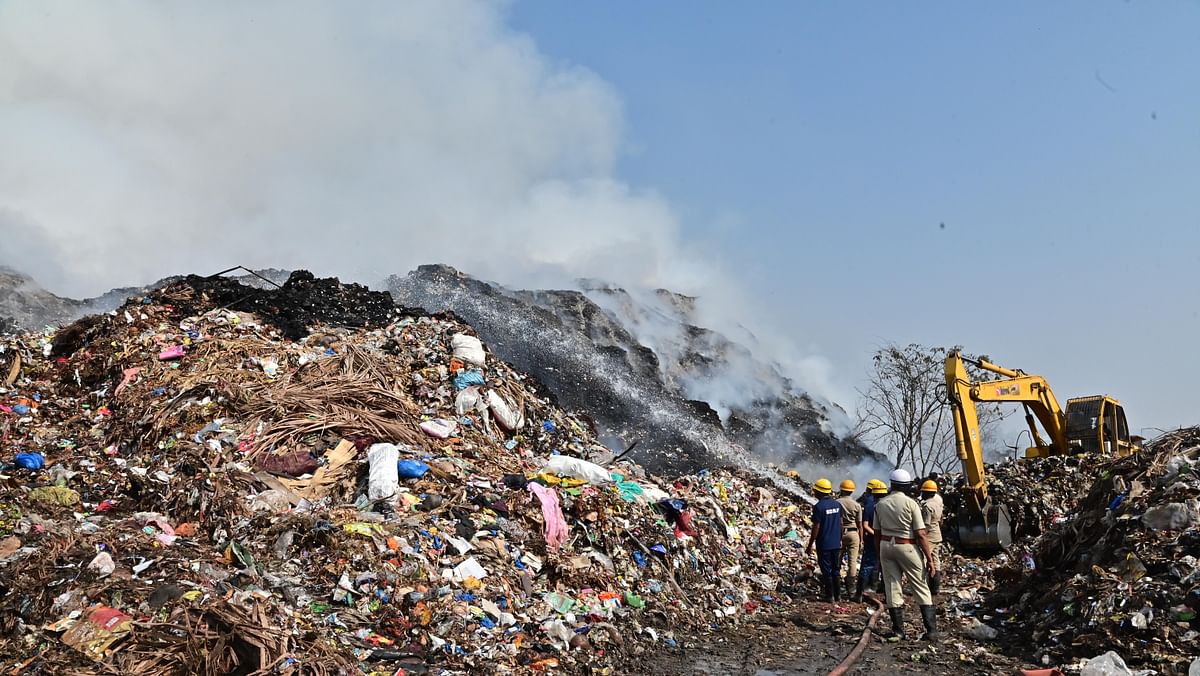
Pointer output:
1115, 568
1038, 492
223, 479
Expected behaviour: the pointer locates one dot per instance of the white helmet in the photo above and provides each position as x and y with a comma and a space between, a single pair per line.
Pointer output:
900, 476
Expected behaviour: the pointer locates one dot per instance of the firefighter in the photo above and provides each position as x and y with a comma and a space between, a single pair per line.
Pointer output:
826, 536
869, 570
900, 529
931, 511
852, 533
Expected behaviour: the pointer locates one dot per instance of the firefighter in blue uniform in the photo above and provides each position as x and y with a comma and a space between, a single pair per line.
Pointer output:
826, 536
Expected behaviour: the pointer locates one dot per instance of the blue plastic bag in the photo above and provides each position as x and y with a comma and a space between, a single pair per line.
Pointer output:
411, 469
30, 460
468, 378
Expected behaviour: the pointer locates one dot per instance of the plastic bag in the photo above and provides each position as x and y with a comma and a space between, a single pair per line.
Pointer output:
980, 631
504, 414
411, 469
468, 400
384, 479
565, 465
1172, 516
1109, 664
468, 348
30, 460
468, 378
439, 428
270, 501
103, 564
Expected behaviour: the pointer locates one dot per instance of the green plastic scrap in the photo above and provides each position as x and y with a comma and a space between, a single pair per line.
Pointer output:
242, 554
628, 491
559, 602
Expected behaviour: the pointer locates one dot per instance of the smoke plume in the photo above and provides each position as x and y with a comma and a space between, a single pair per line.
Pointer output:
144, 139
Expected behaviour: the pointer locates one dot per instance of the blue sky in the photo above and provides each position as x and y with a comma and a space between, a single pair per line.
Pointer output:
820, 148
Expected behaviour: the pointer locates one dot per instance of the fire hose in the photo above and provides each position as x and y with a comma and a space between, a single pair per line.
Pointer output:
863, 641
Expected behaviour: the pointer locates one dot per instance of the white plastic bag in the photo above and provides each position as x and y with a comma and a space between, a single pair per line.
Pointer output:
504, 414
103, 564
468, 400
1109, 664
565, 465
1172, 516
384, 482
468, 349
439, 428
980, 631
468, 568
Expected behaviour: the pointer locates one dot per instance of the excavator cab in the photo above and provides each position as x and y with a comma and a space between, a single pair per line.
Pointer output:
1097, 425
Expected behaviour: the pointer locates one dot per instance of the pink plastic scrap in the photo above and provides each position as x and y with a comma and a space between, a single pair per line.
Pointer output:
130, 375
173, 352
556, 526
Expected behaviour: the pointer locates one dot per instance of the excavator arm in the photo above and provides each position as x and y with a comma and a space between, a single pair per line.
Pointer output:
983, 524
1094, 424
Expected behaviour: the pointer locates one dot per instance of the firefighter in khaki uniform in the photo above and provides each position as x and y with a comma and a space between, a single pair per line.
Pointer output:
852, 533
931, 511
899, 528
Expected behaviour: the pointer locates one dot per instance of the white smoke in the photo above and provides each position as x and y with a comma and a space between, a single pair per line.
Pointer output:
142, 139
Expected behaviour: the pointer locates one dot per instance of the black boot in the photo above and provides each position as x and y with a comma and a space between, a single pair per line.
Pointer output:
935, 583
858, 589
836, 584
929, 617
897, 615
827, 585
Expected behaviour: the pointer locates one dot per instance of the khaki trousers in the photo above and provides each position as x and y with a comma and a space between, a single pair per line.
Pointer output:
853, 547
935, 548
900, 563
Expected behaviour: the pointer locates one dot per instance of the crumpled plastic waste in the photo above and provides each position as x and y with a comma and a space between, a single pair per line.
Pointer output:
568, 466
439, 428
555, 529
1110, 664
411, 469
34, 461
469, 378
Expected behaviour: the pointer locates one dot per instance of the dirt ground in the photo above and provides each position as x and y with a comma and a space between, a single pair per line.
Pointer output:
814, 637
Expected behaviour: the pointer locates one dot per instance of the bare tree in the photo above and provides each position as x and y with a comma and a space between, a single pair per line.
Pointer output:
904, 410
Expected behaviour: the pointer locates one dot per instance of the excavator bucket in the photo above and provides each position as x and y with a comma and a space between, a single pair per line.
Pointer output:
986, 532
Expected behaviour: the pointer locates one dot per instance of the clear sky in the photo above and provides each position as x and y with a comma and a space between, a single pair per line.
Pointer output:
1020, 178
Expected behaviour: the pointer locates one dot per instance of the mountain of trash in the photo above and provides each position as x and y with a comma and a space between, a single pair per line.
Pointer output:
644, 370
1107, 558
220, 478
638, 366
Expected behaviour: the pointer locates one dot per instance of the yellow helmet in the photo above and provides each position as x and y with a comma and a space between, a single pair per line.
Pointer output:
848, 485
929, 486
823, 486
877, 486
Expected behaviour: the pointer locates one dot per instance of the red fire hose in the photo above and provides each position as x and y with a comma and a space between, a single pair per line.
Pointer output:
863, 642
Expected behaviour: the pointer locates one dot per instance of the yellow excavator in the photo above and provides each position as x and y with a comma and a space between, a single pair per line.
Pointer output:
1093, 424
